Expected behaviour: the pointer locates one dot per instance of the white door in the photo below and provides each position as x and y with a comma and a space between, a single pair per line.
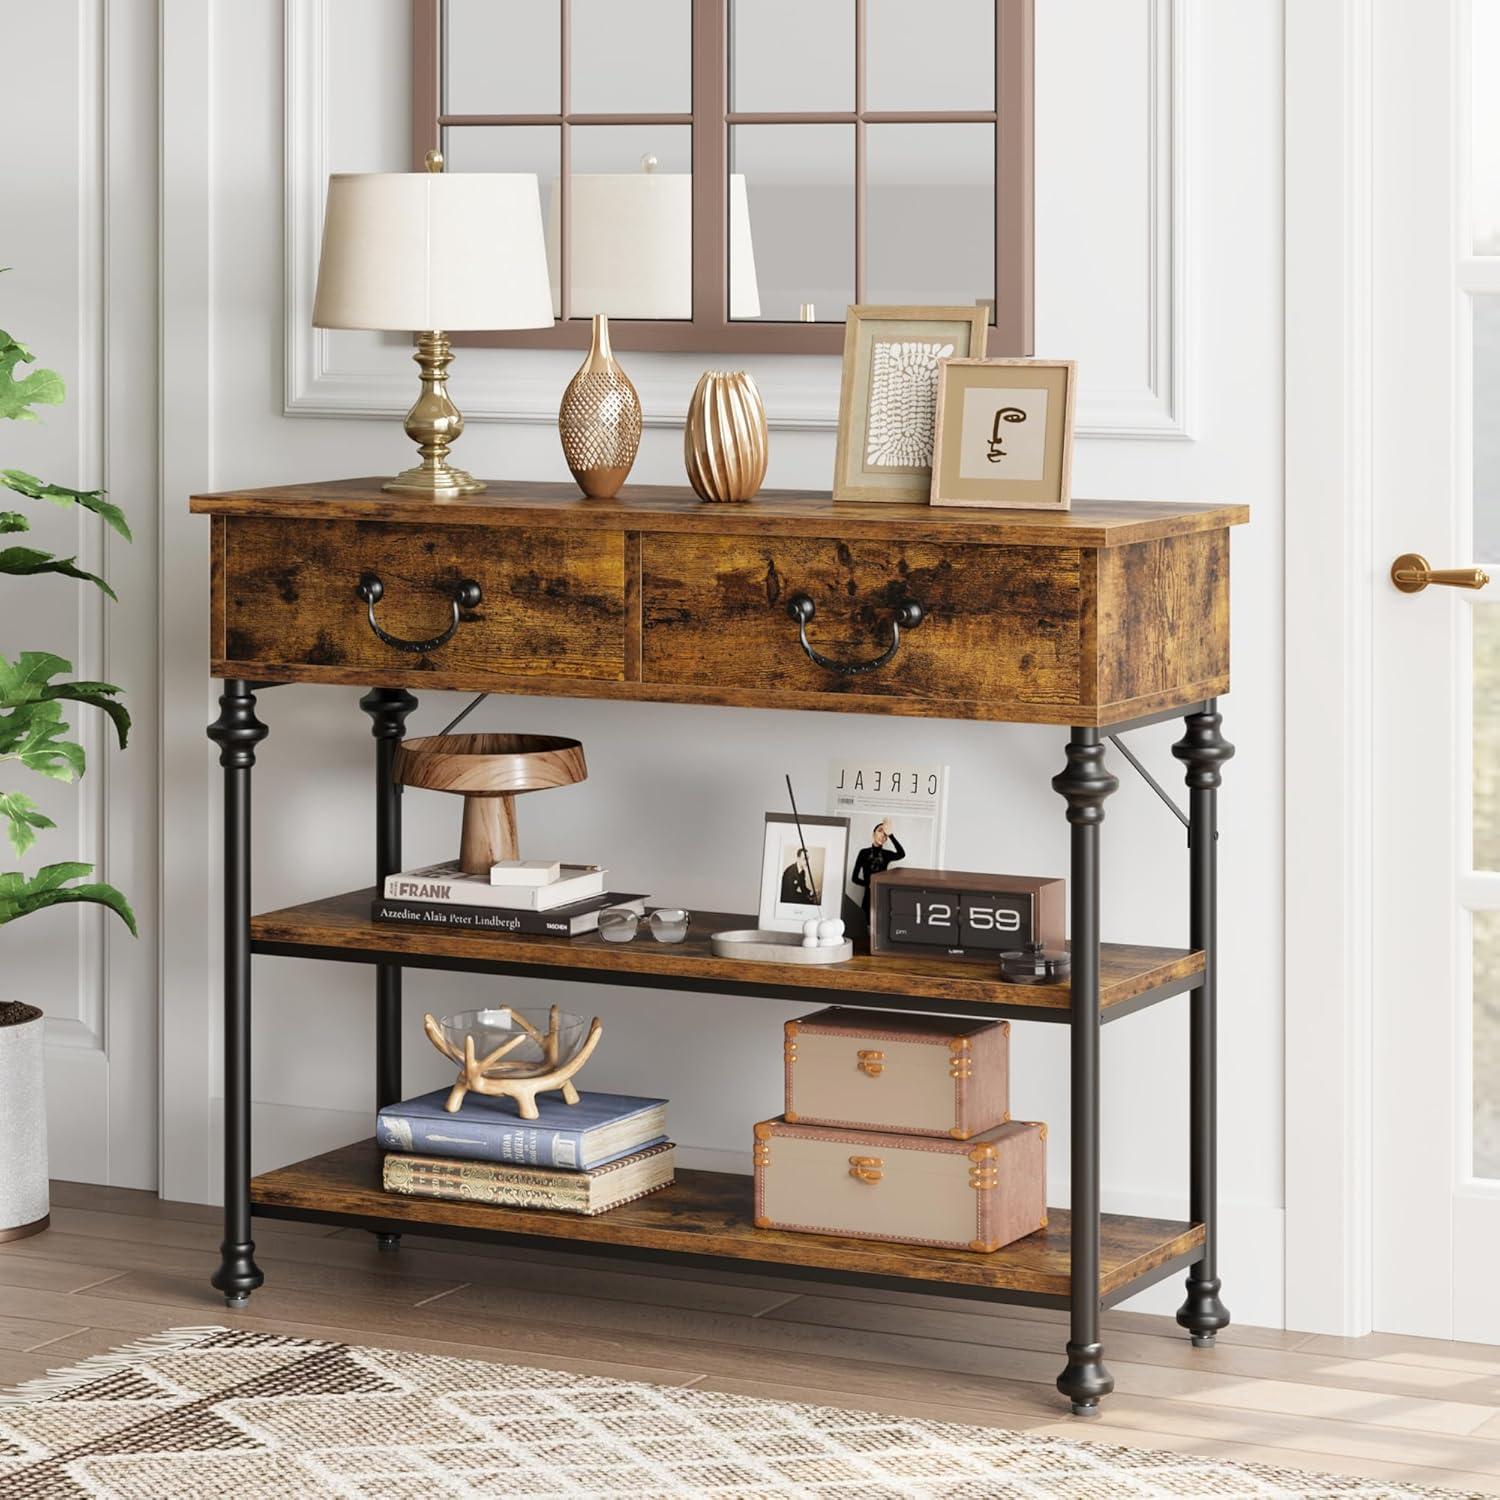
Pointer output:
80, 221
1436, 751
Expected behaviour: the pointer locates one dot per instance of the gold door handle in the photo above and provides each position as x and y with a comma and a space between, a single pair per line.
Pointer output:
866, 1169
1411, 573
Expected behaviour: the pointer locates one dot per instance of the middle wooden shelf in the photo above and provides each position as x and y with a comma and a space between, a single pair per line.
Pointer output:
340, 928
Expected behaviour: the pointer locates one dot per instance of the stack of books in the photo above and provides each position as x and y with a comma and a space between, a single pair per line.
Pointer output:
583, 1158
535, 897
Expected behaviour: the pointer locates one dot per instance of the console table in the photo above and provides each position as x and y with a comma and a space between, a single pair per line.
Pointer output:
1102, 619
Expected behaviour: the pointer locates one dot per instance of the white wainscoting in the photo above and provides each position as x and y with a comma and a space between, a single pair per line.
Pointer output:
81, 201
1125, 315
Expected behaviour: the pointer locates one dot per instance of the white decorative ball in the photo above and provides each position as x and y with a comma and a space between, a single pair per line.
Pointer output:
810, 927
809, 942
831, 930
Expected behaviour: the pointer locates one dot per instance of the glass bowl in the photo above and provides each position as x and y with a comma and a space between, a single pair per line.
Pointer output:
539, 1050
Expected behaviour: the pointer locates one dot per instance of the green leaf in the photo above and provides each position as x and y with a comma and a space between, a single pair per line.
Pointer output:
27, 561
29, 734
49, 887
16, 726
28, 681
59, 494
47, 878
78, 692
24, 682
22, 820
17, 397
12, 521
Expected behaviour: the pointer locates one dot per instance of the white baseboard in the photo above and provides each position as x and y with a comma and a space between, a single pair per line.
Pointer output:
1252, 1258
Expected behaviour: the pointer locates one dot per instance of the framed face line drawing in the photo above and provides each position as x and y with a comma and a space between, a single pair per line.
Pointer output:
888, 395
1004, 434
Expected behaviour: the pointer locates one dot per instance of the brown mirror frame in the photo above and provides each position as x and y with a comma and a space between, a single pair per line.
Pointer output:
710, 330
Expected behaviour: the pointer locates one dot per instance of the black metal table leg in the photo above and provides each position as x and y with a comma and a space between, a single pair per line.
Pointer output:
1085, 783
237, 732
388, 709
1203, 750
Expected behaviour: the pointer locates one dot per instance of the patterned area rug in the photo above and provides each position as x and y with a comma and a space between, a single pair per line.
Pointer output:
213, 1413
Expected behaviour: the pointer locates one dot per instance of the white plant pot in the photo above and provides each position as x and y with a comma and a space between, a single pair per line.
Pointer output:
24, 1204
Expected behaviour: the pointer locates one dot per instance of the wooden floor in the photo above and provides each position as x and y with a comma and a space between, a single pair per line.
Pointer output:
116, 1265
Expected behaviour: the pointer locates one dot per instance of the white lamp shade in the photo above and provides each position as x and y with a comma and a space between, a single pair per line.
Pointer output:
631, 245
416, 251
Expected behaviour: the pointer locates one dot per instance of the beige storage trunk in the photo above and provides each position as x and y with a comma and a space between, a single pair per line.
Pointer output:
961, 1195
868, 1070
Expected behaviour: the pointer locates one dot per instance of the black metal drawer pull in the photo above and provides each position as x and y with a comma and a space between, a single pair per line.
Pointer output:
907, 615
466, 595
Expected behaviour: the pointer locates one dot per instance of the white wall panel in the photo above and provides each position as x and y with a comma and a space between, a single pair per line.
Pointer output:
80, 221
1111, 223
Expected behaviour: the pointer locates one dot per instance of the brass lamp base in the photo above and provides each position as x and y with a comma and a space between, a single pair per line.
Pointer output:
434, 424
434, 482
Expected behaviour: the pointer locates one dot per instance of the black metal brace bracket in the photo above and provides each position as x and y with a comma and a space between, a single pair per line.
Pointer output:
463, 714
1149, 779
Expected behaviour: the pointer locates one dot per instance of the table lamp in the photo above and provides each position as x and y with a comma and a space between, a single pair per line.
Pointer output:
428, 253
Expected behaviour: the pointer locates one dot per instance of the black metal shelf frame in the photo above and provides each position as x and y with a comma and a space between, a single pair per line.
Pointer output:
1085, 784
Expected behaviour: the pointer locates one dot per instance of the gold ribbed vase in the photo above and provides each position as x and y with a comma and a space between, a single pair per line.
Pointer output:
725, 443
600, 420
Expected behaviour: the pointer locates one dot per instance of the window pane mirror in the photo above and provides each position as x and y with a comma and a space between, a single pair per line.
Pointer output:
631, 56
791, 54
797, 186
729, 175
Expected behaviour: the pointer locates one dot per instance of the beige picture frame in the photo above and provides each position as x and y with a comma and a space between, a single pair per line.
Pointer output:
985, 404
887, 410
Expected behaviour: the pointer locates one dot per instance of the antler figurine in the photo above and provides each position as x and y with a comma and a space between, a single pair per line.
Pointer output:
497, 1075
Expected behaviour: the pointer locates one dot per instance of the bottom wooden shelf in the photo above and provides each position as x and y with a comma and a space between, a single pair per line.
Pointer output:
706, 1215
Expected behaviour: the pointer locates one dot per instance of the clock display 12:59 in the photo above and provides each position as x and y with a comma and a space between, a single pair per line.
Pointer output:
959, 919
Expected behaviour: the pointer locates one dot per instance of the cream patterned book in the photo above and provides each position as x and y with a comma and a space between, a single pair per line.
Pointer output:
585, 1193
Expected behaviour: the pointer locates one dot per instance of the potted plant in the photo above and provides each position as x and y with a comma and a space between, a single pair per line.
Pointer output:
34, 688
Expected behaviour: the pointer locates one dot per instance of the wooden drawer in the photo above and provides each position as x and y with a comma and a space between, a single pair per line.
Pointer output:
1002, 624
552, 605
1049, 634
1105, 613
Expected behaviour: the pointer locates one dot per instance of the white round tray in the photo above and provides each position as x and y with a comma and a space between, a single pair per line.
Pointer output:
756, 945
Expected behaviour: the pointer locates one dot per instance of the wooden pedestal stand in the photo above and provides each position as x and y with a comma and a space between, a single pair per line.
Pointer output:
490, 771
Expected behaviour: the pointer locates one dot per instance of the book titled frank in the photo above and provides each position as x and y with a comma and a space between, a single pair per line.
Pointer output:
447, 883
579, 1137
586, 1193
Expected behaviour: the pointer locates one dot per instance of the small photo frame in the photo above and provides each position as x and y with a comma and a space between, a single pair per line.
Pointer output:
802, 870
888, 396
1003, 434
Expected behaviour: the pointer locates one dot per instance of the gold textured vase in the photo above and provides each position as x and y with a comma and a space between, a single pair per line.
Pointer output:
725, 443
600, 420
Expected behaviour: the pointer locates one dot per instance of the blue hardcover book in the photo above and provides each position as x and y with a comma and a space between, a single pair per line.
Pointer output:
577, 1137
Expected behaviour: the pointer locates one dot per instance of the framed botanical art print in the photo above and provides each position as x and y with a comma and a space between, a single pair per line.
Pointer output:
888, 399
1004, 433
